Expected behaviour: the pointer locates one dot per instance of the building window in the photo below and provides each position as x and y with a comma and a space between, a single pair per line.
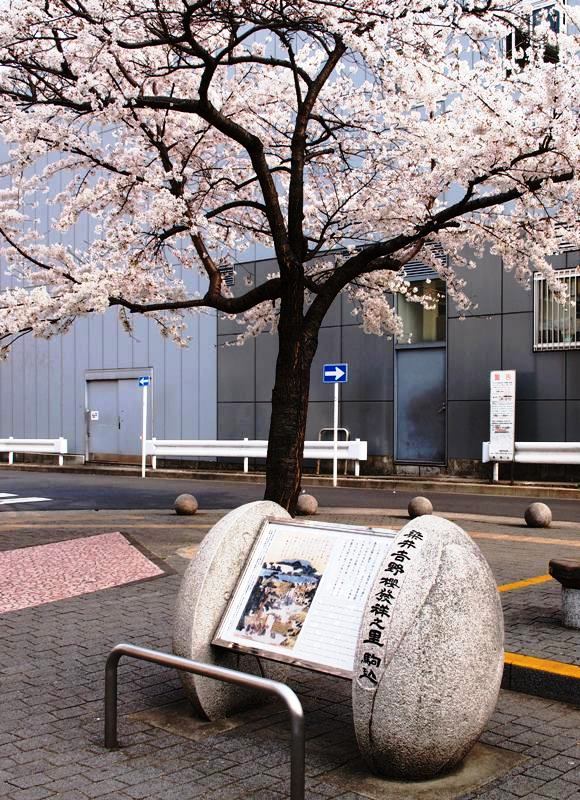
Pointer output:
518, 41
423, 322
557, 324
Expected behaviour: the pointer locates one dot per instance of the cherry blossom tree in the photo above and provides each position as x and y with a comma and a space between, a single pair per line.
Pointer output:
190, 130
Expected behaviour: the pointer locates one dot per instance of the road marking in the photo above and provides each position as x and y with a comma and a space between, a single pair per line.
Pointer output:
509, 587
9, 501
542, 665
5, 494
506, 537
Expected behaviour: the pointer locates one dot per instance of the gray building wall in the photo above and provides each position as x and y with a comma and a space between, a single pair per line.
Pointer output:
42, 383
498, 334
246, 378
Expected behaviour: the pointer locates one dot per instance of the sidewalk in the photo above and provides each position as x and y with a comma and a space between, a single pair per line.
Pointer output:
52, 659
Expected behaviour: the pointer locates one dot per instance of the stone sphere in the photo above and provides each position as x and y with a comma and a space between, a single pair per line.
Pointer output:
185, 505
429, 658
306, 505
419, 506
205, 590
538, 515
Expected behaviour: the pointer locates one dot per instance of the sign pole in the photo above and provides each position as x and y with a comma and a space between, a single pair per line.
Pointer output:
335, 452
144, 431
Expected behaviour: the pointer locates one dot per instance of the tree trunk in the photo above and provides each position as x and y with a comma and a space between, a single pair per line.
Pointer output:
297, 348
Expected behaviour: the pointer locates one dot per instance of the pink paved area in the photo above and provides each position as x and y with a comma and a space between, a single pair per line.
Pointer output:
32, 576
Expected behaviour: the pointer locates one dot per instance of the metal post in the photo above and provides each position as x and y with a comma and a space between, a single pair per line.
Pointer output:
335, 448
144, 433
283, 692
495, 477
11, 454
357, 465
246, 459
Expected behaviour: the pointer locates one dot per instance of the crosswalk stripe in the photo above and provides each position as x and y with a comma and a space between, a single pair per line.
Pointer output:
10, 501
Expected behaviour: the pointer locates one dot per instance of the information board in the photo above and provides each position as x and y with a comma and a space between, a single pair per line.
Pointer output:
301, 595
502, 415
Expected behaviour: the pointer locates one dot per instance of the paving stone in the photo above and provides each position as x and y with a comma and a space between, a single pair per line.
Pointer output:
558, 788
56, 734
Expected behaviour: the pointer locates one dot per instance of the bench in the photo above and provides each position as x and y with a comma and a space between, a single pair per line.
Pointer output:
37, 446
354, 450
537, 453
567, 573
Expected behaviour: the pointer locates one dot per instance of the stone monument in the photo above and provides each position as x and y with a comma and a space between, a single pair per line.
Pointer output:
429, 660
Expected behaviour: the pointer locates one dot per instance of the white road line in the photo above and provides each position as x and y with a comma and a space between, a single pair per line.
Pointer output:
9, 501
5, 494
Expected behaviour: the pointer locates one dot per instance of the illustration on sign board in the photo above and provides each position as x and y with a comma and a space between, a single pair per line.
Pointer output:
280, 600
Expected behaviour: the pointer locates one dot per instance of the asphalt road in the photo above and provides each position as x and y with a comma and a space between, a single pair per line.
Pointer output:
68, 492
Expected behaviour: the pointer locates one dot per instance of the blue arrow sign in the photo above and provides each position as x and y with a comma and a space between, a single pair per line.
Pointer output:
144, 380
335, 373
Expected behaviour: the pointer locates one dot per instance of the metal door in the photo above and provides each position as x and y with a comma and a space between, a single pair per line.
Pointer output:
103, 418
130, 416
421, 405
115, 418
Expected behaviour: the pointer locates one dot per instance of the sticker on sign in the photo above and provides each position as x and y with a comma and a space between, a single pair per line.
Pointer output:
335, 373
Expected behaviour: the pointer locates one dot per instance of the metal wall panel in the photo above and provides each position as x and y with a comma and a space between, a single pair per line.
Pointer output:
467, 428
468, 362
540, 376
42, 384
540, 421
483, 286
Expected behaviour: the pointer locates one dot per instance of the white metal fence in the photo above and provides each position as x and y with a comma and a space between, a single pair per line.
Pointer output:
354, 450
37, 446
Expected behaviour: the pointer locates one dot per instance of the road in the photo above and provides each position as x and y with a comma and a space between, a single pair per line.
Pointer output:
68, 492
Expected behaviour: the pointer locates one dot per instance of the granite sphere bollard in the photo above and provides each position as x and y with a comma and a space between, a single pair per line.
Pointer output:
307, 505
185, 505
429, 659
419, 507
538, 515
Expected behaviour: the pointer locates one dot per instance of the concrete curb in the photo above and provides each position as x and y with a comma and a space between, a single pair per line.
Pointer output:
553, 680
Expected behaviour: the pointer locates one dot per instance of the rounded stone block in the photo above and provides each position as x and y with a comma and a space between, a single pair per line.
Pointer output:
419, 507
204, 593
185, 504
566, 571
307, 505
538, 515
429, 659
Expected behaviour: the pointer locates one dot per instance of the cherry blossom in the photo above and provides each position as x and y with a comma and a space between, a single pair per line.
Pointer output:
183, 133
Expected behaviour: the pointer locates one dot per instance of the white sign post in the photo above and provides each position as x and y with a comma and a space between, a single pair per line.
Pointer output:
335, 373
144, 382
502, 417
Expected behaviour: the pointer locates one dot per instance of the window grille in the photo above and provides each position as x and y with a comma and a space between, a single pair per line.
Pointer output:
556, 324
518, 39
228, 276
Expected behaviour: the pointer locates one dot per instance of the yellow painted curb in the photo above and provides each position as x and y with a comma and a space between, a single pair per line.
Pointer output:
508, 587
542, 665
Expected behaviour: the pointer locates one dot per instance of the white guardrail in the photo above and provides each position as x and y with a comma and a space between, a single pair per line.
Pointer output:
538, 453
11, 445
354, 450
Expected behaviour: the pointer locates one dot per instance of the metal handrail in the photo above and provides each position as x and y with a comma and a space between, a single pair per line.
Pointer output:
285, 693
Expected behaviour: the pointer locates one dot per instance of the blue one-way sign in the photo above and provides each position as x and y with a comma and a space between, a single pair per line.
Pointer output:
335, 373
144, 380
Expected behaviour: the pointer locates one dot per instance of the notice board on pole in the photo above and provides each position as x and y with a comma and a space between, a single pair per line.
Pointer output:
301, 595
502, 415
